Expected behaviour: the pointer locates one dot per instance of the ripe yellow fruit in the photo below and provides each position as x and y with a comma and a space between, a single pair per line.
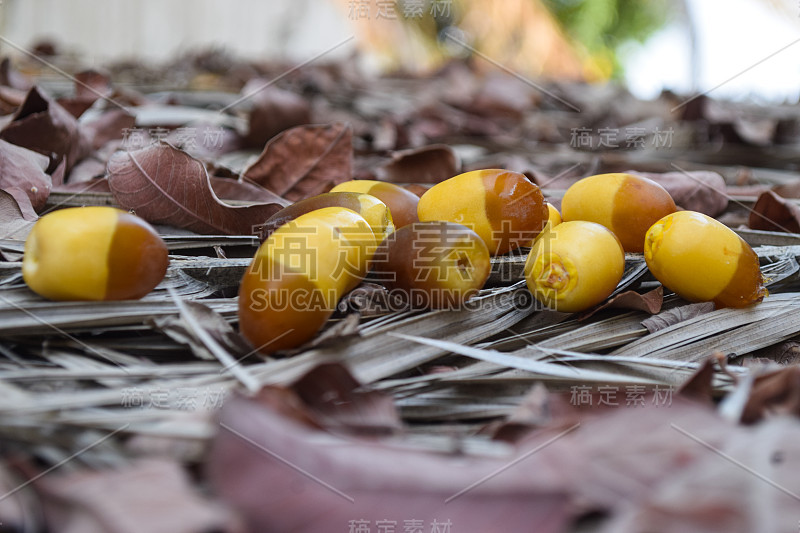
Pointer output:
702, 260
93, 253
627, 205
553, 220
375, 212
402, 203
574, 266
503, 207
299, 273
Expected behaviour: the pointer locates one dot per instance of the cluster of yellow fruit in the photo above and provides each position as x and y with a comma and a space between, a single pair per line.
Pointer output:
435, 249
579, 263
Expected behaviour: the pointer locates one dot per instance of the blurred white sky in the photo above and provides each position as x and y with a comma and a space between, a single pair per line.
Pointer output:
732, 36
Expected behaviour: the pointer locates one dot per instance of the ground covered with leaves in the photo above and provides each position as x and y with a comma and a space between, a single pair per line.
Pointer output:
645, 414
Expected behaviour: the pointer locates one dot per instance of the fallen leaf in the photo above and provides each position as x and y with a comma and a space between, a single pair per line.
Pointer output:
773, 213
153, 495
179, 330
675, 315
649, 302
428, 164
274, 110
264, 455
165, 185
696, 190
17, 215
305, 161
774, 394
109, 126
244, 191
25, 170
43, 126
334, 398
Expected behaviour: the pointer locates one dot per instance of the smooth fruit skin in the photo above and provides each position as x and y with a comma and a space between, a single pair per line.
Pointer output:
501, 206
702, 260
574, 266
627, 205
299, 273
93, 253
402, 203
553, 220
374, 211
437, 265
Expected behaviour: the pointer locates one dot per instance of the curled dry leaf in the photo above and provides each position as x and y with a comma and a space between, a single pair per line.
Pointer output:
696, 190
773, 213
165, 185
25, 170
244, 191
180, 330
17, 215
334, 397
649, 302
428, 164
151, 495
109, 126
43, 126
274, 110
776, 393
90, 85
305, 161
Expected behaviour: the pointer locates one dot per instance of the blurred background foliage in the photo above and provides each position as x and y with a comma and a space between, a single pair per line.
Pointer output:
559, 39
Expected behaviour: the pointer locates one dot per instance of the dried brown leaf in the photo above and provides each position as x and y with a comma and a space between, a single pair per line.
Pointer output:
305, 161
43, 126
261, 458
649, 302
24, 169
774, 394
428, 164
773, 213
153, 495
109, 126
17, 215
334, 398
274, 110
696, 190
165, 185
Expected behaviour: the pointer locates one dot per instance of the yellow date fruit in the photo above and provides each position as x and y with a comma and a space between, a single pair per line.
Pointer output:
503, 207
574, 266
553, 220
627, 205
299, 273
437, 265
93, 253
375, 212
402, 203
702, 260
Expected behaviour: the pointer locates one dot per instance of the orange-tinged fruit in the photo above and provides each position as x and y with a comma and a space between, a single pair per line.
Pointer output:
299, 273
375, 212
93, 253
702, 260
574, 266
627, 205
402, 203
503, 207
437, 265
